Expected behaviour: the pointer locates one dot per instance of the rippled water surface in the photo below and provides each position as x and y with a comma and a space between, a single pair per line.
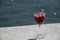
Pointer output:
20, 12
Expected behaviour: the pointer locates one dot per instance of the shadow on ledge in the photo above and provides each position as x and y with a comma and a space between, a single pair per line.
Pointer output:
31, 39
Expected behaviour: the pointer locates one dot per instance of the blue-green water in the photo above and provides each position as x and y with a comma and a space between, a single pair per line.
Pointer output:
20, 12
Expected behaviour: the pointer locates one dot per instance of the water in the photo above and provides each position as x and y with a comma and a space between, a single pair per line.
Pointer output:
20, 12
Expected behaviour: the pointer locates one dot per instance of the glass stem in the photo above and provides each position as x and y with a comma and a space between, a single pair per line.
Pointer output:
39, 25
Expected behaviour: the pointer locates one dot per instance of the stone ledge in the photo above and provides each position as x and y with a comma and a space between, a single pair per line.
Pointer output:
51, 32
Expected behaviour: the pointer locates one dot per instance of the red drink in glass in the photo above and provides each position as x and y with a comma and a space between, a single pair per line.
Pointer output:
39, 17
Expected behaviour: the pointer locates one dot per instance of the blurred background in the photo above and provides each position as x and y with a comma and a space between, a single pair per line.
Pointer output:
20, 12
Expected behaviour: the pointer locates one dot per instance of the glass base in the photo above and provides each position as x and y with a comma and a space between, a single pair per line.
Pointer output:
38, 36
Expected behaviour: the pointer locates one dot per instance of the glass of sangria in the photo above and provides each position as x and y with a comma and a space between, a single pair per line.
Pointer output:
39, 18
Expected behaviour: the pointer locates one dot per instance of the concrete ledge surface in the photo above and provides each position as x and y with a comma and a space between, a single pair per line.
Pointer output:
51, 32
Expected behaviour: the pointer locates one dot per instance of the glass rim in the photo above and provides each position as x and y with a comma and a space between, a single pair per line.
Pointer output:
35, 14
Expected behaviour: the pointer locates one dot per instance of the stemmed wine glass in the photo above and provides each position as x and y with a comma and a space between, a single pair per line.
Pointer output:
39, 18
